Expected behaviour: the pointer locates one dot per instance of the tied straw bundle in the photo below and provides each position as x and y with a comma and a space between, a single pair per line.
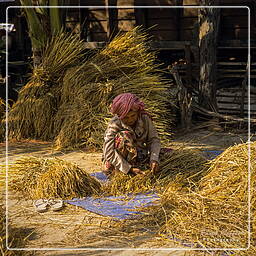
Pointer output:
180, 166
52, 178
32, 116
124, 65
214, 214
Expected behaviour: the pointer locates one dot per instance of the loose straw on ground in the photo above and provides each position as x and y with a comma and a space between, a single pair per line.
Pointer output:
214, 214
51, 178
180, 166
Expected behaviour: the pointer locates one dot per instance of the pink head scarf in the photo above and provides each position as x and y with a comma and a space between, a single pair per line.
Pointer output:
125, 102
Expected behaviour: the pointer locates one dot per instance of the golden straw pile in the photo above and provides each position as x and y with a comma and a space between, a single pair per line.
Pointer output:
124, 65
213, 214
51, 178
32, 116
68, 97
180, 166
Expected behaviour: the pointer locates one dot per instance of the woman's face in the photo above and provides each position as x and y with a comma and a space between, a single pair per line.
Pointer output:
131, 118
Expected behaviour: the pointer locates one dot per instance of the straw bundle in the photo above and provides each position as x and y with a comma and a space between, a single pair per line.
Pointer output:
32, 115
52, 178
215, 213
181, 166
125, 65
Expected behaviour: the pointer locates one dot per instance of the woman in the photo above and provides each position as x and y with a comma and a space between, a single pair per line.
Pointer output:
131, 141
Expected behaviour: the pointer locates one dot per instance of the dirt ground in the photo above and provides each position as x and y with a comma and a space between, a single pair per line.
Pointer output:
81, 231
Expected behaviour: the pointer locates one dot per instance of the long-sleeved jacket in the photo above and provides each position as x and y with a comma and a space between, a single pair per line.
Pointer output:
146, 139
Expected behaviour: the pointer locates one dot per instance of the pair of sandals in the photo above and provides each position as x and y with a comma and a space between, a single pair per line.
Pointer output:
42, 205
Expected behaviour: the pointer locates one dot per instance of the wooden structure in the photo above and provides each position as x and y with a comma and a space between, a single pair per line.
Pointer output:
175, 33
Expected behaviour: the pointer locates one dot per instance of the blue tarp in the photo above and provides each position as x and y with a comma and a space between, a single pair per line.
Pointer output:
117, 207
211, 154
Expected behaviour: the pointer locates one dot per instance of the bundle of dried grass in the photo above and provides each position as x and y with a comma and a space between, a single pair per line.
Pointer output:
32, 115
180, 166
52, 178
215, 213
125, 65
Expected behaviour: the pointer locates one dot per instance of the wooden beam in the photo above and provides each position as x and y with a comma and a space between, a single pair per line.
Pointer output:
208, 20
141, 17
112, 19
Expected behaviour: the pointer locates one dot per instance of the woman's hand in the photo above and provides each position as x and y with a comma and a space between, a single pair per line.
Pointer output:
154, 167
136, 171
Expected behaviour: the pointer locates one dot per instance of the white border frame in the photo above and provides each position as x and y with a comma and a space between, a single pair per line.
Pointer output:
134, 249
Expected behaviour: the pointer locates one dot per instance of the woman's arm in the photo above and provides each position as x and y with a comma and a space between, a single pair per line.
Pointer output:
153, 141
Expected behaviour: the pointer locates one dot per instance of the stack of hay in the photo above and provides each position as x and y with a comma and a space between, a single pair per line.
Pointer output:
51, 178
68, 96
180, 166
215, 213
32, 116
124, 65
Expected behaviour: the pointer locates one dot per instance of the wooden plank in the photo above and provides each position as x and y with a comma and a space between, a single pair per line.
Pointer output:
155, 2
91, 2
98, 37
140, 15
112, 16
125, 2
236, 34
164, 35
186, 34
234, 11
126, 13
188, 23
162, 24
98, 26
98, 14
234, 21
234, 63
126, 25
190, 12
164, 13
190, 2
168, 45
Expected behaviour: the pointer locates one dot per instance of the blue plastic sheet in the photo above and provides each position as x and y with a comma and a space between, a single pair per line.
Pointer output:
211, 154
117, 207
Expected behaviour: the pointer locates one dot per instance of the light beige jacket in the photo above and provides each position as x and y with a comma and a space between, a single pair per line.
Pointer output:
146, 139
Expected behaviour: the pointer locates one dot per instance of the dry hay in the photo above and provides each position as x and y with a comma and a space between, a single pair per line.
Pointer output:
32, 116
15, 238
215, 213
180, 166
51, 178
2, 119
124, 65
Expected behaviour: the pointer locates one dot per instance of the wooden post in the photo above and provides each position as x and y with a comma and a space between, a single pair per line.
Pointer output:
208, 30
243, 85
184, 100
188, 64
179, 12
112, 19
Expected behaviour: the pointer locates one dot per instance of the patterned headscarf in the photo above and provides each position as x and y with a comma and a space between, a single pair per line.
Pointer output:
125, 102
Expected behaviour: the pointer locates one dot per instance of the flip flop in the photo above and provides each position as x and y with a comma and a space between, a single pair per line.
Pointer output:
41, 205
56, 204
